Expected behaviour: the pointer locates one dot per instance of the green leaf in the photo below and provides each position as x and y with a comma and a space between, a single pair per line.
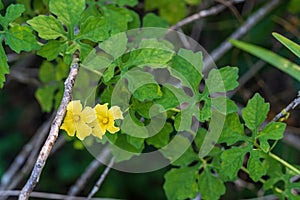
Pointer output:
47, 27
232, 161
67, 11
12, 13
210, 186
292, 46
187, 158
272, 131
4, 68
95, 29
148, 92
118, 18
130, 3
152, 20
47, 72
193, 2
186, 70
222, 80
224, 105
20, 38
272, 58
233, 130
255, 112
255, 166
45, 95
136, 142
135, 22
52, 49
162, 138
168, 99
181, 183
115, 45
1, 5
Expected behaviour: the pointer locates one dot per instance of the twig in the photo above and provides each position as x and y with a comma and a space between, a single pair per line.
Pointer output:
101, 179
53, 134
43, 195
251, 21
291, 106
90, 170
203, 13
35, 142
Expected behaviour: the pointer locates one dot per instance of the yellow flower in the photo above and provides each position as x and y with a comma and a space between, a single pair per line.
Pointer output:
76, 120
105, 119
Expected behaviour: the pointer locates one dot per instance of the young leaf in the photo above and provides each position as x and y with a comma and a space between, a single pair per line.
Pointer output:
255, 166
12, 13
181, 183
210, 186
255, 112
232, 161
277, 61
20, 38
67, 11
42, 95
4, 68
47, 27
272, 131
115, 45
292, 46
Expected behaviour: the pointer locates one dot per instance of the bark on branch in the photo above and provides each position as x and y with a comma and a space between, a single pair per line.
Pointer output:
53, 134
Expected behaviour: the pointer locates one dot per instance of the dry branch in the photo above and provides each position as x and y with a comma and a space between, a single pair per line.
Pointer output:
53, 134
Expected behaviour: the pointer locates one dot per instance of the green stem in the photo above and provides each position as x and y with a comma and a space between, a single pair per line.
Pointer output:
283, 162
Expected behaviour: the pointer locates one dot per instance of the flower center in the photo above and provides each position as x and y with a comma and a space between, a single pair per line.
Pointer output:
105, 120
76, 118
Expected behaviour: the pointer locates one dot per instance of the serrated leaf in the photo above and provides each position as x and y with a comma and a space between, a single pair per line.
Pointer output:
292, 46
152, 20
210, 186
233, 130
222, 80
52, 49
67, 11
272, 58
12, 13
47, 27
95, 29
20, 38
255, 166
272, 131
162, 138
115, 45
255, 112
44, 96
224, 105
232, 161
184, 69
181, 183
118, 18
4, 68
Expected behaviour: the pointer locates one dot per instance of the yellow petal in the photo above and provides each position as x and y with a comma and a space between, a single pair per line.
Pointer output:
96, 130
113, 129
75, 107
68, 124
116, 112
83, 130
88, 115
101, 110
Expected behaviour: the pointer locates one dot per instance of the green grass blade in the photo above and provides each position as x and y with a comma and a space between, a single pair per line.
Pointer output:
292, 46
268, 56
